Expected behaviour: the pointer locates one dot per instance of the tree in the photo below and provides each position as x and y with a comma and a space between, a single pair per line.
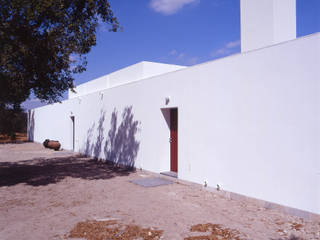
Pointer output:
12, 120
38, 40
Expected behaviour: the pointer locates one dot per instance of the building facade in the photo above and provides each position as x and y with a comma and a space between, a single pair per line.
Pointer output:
249, 123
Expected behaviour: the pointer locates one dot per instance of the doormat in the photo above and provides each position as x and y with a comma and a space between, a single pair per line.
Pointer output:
151, 182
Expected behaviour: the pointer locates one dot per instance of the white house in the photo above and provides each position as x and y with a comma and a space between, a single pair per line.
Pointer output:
249, 122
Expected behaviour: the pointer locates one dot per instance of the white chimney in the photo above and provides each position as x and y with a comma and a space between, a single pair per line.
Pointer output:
267, 22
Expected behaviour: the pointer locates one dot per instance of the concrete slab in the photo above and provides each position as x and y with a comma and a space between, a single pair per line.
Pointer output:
151, 182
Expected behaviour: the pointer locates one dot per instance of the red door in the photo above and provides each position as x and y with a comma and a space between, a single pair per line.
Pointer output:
174, 140
73, 132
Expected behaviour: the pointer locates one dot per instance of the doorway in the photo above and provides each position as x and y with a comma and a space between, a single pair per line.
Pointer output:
73, 132
174, 140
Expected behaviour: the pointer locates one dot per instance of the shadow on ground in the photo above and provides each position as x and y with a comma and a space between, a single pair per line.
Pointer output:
290, 238
39, 172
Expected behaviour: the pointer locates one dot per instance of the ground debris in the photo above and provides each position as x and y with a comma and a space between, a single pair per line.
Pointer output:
215, 232
112, 230
44, 194
296, 226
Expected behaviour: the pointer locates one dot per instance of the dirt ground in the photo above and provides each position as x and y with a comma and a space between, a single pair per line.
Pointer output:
57, 195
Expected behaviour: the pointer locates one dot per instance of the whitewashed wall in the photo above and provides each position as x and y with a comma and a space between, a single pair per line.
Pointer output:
267, 22
126, 75
249, 122
92, 86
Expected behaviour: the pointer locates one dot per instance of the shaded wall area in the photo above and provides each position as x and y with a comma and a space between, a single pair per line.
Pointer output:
119, 144
30, 126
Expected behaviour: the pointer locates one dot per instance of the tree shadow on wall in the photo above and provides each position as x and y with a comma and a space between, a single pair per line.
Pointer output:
121, 146
88, 145
100, 137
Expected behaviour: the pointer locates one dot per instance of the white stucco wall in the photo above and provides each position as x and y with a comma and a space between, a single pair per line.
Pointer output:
151, 69
285, 20
267, 22
249, 122
126, 75
92, 86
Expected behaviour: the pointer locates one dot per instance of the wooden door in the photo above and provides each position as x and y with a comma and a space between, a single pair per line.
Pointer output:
174, 140
73, 132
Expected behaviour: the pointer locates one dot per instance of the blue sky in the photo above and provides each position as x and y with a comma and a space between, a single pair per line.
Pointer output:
184, 32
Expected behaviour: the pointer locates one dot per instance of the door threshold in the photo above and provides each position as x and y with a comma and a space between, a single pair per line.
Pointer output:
170, 174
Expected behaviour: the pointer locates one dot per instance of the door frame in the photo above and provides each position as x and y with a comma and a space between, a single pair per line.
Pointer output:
73, 129
174, 140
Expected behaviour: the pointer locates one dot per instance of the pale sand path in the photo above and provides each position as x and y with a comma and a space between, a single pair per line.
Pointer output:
45, 197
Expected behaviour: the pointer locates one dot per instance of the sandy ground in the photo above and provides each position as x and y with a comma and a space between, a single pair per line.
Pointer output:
44, 194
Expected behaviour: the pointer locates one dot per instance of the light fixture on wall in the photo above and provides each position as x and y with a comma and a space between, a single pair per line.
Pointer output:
167, 100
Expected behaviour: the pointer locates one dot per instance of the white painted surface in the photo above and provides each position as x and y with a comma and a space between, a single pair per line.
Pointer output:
285, 20
151, 69
267, 22
90, 87
126, 75
249, 122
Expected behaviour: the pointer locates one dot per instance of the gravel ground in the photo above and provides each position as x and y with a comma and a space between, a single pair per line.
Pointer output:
50, 195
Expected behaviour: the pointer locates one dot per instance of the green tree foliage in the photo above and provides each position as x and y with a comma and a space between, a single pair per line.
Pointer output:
38, 40
12, 120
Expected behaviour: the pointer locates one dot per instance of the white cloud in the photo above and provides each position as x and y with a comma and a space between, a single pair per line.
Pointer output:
181, 58
173, 52
193, 60
168, 7
227, 49
220, 52
233, 44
